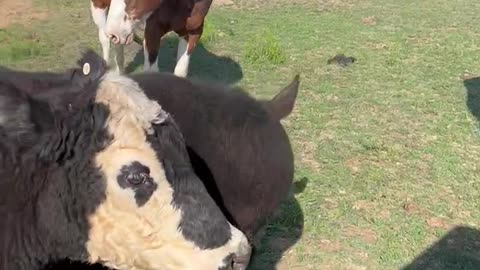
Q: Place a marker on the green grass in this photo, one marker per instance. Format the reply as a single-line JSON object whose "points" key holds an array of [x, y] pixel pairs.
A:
{"points": [[264, 48], [17, 45], [388, 148]]}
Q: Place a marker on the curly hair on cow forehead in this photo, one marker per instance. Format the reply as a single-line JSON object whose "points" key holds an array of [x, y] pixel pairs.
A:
{"points": [[122, 94]]}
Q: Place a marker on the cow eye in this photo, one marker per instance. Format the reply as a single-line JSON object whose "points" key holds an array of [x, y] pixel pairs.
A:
{"points": [[136, 179]]}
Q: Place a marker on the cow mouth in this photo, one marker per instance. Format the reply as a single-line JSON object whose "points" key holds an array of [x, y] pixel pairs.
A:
{"points": [[241, 262], [129, 39], [239, 266]]}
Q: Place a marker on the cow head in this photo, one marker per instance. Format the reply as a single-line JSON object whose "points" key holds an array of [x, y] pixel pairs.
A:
{"points": [[118, 187], [126, 15]]}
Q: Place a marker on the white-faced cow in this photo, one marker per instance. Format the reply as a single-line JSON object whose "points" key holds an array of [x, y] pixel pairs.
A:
{"points": [[117, 19], [100, 174], [237, 144]]}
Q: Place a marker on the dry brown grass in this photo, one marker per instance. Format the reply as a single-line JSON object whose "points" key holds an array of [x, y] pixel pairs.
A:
{"points": [[18, 11]]}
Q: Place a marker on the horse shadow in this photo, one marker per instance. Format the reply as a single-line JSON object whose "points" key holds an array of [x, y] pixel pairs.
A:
{"points": [[204, 65], [472, 85], [459, 249], [282, 231]]}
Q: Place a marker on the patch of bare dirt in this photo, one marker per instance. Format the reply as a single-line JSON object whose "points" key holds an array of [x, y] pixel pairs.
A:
{"points": [[436, 222], [223, 3], [363, 205], [367, 235], [329, 246], [18, 11], [384, 214], [356, 267], [371, 20], [354, 165], [307, 155], [467, 76], [410, 207], [330, 203], [371, 209]]}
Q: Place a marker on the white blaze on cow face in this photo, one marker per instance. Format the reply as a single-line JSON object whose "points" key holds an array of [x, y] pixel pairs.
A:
{"points": [[137, 227], [120, 25]]}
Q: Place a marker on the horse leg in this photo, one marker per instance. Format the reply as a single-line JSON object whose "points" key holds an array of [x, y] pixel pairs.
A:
{"points": [[119, 58], [99, 16], [186, 44], [151, 45]]}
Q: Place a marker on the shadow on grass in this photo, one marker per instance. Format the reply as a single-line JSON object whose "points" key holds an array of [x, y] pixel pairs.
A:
{"points": [[203, 64], [473, 96], [459, 250], [282, 232]]}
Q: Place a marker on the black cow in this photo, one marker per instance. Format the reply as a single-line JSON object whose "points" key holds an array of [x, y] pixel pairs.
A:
{"points": [[236, 143], [98, 172]]}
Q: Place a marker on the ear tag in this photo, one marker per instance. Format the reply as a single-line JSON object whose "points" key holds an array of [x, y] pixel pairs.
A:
{"points": [[86, 68]]}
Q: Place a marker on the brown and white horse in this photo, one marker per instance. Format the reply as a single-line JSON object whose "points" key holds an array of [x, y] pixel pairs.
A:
{"points": [[117, 19]]}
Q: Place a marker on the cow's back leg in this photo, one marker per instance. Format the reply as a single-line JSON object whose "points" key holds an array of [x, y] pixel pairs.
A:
{"points": [[186, 44], [99, 15]]}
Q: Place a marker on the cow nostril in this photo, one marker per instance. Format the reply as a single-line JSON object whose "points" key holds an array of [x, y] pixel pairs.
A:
{"points": [[114, 38], [229, 263], [129, 39], [241, 262]]}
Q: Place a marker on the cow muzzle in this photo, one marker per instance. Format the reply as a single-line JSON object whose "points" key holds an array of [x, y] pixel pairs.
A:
{"points": [[119, 40], [240, 262], [241, 259]]}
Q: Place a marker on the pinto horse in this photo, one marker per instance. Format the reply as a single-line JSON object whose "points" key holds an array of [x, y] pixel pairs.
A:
{"points": [[117, 19]]}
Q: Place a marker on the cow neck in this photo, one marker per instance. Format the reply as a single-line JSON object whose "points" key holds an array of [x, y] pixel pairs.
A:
{"points": [[22, 244]]}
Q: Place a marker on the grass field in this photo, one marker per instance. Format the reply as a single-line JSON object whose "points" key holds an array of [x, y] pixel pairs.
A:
{"points": [[387, 149]]}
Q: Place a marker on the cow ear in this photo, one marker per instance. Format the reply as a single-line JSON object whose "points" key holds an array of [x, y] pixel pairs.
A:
{"points": [[91, 67], [22, 118], [282, 104], [81, 89]]}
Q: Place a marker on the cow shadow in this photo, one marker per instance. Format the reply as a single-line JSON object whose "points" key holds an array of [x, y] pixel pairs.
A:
{"points": [[459, 249], [203, 64], [283, 231], [472, 85]]}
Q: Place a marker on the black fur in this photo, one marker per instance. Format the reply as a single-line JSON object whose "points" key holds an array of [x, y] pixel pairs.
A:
{"points": [[237, 144], [202, 221], [36, 83], [141, 174], [49, 184], [49, 190]]}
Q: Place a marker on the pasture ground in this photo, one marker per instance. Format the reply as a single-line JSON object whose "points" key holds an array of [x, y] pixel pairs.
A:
{"points": [[387, 149]]}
